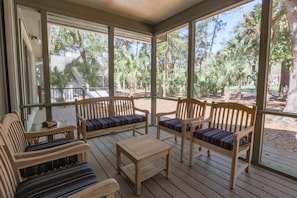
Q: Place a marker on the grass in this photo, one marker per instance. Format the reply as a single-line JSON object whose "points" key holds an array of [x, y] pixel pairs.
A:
{"points": [[273, 90]]}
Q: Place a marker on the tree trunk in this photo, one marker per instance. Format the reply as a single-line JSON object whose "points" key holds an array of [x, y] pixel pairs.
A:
{"points": [[165, 79], [291, 15], [284, 81], [239, 89]]}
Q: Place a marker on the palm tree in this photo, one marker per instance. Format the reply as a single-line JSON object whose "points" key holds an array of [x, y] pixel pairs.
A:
{"points": [[59, 81]]}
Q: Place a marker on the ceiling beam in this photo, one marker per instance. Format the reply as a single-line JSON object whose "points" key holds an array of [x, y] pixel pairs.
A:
{"points": [[89, 14], [203, 9]]}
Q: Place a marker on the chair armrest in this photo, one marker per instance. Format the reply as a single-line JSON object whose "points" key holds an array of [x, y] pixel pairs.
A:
{"points": [[142, 110], [239, 134], [80, 149], [101, 189], [79, 117], [36, 134], [191, 120], [199, 122], [48, 150], [165, 113]]}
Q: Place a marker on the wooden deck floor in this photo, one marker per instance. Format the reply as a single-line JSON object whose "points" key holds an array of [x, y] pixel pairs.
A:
{"points": [[209, 177]]}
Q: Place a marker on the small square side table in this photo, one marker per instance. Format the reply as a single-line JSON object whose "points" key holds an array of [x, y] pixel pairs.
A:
{"points": [[143, 152]]}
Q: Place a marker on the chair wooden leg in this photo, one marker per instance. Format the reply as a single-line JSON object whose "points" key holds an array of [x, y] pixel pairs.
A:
{"points": [[158, 132], [233, 171], [134, 131], [191, 153], [248, 159], [175, 138], [182, 148]]}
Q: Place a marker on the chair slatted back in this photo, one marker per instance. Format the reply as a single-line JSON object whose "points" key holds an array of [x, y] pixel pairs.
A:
{"points": [[8, 179], [231, 117], [93, 108], [105, 107], [190, 108], [123, 106], [13, 129]]}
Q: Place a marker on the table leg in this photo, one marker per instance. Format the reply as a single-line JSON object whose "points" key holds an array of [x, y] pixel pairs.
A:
{"points": [[168, 164], [137, 177], [118, 159]]}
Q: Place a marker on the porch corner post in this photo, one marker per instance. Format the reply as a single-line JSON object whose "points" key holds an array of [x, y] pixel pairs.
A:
{"points": [[191, 60], [262, 78], [153, 80], [46, 66], [111, 61]]}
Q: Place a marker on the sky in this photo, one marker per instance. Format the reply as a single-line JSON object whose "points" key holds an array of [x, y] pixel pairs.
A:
{"points": [[233, 18]]}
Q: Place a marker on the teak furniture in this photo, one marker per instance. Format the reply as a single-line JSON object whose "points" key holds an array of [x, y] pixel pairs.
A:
{"points": [[104, 115], [29, 144], [75, 181], [142, 151], [187, 110], [230, 131]]}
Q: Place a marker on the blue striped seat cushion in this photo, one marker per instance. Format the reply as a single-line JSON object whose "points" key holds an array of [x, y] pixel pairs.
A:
{"points": [[218, 137], [175, 124], [58, 183], [45, 167], [103, 123]]}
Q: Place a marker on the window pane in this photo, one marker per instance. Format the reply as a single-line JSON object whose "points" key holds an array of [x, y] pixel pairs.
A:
{"points": [[226, 55], [281, 80], [78, 63], [164, 105], [279, 150], [172, 64], [132, 66]]}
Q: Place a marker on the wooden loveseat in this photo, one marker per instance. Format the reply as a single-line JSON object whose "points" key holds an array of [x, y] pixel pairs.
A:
{"points": [[104, 115]]}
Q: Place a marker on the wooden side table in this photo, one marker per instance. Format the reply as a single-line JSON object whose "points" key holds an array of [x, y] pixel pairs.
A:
{"points": [[143, 151]]}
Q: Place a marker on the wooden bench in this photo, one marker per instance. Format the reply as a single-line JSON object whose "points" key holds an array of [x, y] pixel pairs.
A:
{"points": [[74, 181], [104, 115], [187, 110], [229, 131]]}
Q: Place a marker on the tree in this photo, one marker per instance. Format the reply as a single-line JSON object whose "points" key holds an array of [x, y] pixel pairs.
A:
{"points": [[132, 63], [207, 64], [172, 59], [291, 15], [59, 80], [90, 46]]}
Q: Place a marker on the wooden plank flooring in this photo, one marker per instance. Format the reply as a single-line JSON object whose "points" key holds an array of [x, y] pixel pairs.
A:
{"points": [[209, 176]]}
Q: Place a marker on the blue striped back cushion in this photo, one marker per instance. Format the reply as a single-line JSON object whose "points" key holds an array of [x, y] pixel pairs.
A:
{"points": [[58, 183], [103, 123], [45, 167], [218, 137]]}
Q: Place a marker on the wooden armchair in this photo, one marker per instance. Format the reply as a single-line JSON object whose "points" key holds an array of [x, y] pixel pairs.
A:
{"points": [[187, 110], [31, 144], [230, 131], [75, 181]]}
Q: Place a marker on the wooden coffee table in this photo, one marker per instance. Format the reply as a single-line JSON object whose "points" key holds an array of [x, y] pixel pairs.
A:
{"points": [[143, 152]]}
